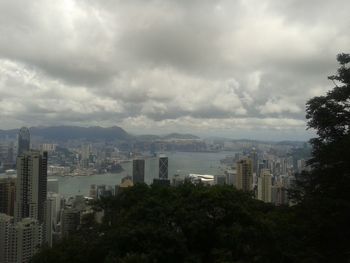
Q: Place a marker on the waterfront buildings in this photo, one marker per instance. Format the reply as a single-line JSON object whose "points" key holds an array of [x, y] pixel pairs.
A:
{"points": [[163, 167], [138, 171], [206, 179], [244, 175], [264, 186]]}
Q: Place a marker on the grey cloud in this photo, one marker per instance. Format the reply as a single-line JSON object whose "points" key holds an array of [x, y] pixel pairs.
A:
{"points": [[235, 65]]}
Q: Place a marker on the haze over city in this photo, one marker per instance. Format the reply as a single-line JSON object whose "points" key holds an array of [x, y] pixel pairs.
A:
{"points": [[240, 69], [174, 131]]}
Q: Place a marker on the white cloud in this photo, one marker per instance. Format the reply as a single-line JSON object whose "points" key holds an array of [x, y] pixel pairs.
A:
{"points": [[279, 106], [181, 64]]}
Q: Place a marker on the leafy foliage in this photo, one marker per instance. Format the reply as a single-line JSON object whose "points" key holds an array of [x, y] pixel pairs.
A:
{"points": [[324, 202], [178, 224]]}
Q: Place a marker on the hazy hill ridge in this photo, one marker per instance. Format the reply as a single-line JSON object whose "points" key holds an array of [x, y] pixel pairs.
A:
{"points": [[64, 133]]}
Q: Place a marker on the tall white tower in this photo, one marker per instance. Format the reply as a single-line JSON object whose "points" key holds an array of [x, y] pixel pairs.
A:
{"points": [[264, 186], [31, 186]]}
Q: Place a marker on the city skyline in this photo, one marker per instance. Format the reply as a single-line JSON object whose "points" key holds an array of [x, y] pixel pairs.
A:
{"points": [[212, 68]]}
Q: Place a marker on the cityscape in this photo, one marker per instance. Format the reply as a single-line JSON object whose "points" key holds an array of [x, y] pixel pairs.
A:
{"points": [[200, 131], [35, 213]]}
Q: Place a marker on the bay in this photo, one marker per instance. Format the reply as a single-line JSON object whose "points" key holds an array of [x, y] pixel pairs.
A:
{"points": [[182, 163]]}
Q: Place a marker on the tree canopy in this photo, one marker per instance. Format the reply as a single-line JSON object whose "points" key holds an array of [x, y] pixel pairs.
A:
{"points": [[187, 223], [323, 194]]}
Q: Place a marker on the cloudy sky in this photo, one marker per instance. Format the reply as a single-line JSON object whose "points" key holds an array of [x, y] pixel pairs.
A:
{"points": [[241, 69]]}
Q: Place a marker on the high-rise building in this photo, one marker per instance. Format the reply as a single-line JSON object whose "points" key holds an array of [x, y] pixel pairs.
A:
{"points": [[254, 157], [25, 238], [264, 186], [5, 228], [244, 176], [6, 155], [7, 195], [53, 208], [31, 185], [48, 147], [23, 140], [163, 167], [19, 241], [125, 183], [25, 233], [138, 171], [220, 179], [104, 191], [85, 155], [279, 195], [231, 176], [70, 220]]}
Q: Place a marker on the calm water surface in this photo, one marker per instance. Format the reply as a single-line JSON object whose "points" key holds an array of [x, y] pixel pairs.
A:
{"points": [[181, 163]]}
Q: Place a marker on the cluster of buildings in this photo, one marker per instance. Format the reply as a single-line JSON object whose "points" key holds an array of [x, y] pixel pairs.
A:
{"points": [[32, 213], [138, 176], [267, 176]]}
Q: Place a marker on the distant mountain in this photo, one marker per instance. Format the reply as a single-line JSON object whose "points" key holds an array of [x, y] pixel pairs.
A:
{"points": [[64, 133], [180, 136], [285, 142], [171, 136], [148, 137], [8, 133]]}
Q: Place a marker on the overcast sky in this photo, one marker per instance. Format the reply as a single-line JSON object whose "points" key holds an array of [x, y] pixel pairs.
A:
{"points": [[241, 69]]}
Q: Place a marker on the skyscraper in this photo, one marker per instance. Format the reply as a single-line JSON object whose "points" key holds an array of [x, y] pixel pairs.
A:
{"points": [[25, 238], [70, 220], [264, 186], [19, 241], [5, 228], [31, 185], [254, 157], [23, 140], [163, 167], [244, 176], [138, 171], [7, 195]]}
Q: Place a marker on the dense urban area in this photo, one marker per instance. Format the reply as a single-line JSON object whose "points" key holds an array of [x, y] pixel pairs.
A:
{"points": [[34, 213]]}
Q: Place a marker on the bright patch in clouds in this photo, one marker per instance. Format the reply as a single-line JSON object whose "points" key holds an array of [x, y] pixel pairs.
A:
{"points": [[232, 68]]}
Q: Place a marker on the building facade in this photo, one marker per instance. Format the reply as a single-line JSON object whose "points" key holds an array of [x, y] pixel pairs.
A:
{"points": [[264, 186], [138, 171], [7, 195], [31, 186], [163, 167], [244, 175], [23, 140]]}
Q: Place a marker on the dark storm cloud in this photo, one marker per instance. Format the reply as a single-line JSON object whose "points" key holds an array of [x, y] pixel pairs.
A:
{"points": [[199, 66]]}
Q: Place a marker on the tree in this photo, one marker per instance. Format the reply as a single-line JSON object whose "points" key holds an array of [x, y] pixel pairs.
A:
{"points": [[188, 223], [323, 193]]}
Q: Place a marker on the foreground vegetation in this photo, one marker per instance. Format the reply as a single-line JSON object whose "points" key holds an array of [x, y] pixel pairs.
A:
{"points": [[181, 224], [220, 224]]}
